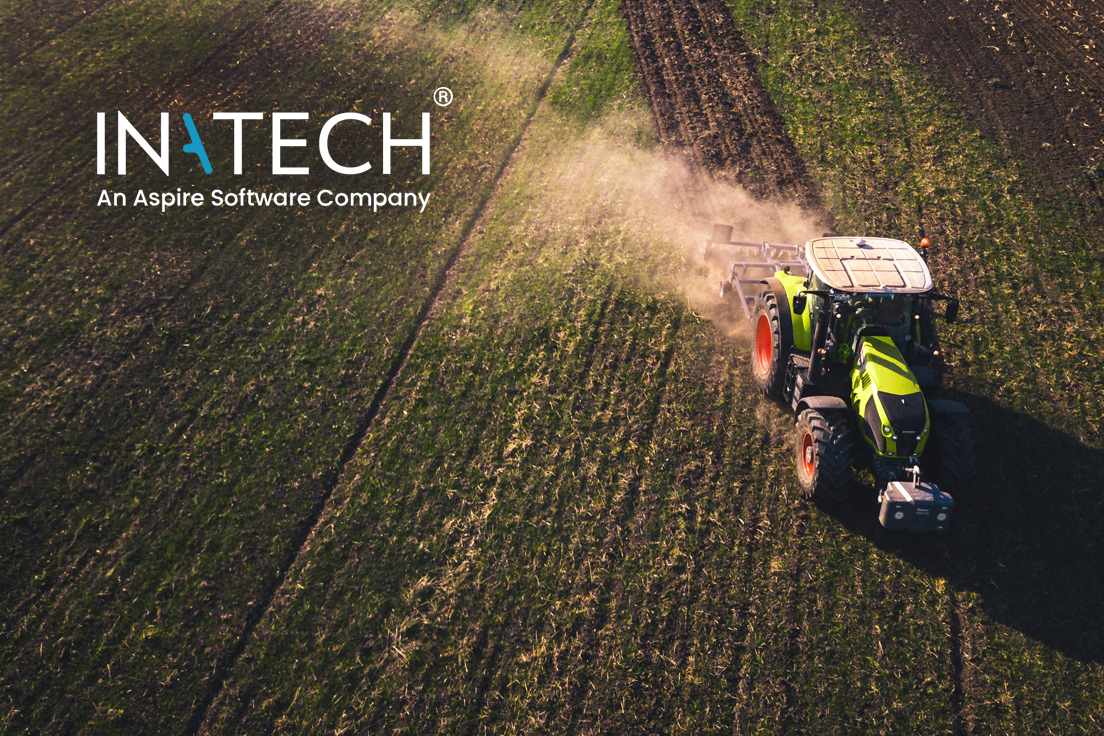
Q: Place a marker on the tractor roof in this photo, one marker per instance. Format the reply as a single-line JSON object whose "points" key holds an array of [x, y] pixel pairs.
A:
{"points": [[868, 265]]}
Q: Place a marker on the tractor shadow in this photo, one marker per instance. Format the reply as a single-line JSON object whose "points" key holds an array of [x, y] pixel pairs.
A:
{"points": [[1027, 538]]}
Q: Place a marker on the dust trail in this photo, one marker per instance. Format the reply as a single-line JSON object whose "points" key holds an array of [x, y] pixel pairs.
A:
{"points": [[661, 209]]}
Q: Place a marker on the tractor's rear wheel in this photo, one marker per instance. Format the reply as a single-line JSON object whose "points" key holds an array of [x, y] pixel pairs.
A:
{"points": [[949, 459], [824, 456], [768, 354]]}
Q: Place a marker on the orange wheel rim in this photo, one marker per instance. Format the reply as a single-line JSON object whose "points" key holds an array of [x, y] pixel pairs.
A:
{"points": [[763, 346], [807, 453]]}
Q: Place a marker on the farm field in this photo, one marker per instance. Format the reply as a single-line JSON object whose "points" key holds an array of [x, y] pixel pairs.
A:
{"points": [[499, 466]]}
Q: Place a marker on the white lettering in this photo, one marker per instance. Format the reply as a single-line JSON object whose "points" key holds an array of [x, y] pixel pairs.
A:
{"points": [[101, 143], [279, 143], [238, 117], [324, 143], [389, 143], [125, 129]]}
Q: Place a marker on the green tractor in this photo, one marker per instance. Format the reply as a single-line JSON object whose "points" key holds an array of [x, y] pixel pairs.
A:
{"points": [[843, 335]]}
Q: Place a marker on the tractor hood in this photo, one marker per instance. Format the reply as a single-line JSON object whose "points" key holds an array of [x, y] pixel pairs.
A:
{"points": [[889, 400]]}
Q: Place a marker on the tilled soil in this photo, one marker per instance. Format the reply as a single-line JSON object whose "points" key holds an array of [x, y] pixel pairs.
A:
{"points": [[1028, 70], [704, 91]]}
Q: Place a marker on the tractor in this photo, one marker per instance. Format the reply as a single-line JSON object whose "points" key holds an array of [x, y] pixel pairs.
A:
{"points": [[843, 335]]}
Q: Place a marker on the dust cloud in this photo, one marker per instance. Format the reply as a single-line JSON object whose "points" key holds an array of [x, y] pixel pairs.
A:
{"points": [[650, 211]]}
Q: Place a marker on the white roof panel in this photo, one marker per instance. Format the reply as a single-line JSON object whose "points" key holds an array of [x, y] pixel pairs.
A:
{"points": [[868, 265]]}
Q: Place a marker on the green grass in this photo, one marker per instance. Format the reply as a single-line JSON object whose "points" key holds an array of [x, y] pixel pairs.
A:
{"points": [[571, 513], [572, 516], [178, 388], [892, 154]]}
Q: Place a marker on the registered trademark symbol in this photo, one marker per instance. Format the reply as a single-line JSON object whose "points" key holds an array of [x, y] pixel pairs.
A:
{"points": [[442, 96]]}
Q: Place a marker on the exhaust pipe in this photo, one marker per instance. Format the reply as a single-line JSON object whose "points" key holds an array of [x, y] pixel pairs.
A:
{"points": [[820, 334]]}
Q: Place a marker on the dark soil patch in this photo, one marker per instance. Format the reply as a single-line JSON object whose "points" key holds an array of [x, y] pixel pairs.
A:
{"points": [[704, 91], [1028, 71]]}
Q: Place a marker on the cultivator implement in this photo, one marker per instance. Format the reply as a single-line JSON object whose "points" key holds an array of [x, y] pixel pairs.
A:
{"points": [[749, 263]]}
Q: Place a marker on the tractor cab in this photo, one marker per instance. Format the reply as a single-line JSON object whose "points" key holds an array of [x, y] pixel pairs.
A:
{"points": [[878, 287], [859, 288], [869, 266]]}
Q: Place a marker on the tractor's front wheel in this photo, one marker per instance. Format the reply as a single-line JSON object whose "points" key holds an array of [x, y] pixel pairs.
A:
{"points": [[768, 354], [824, 456], [949, 459]]}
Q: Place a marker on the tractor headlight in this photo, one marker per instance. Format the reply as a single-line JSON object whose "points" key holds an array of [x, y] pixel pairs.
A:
{"points": [[887, 430]]}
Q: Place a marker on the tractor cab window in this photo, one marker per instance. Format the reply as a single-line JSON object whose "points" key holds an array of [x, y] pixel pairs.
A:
{"points": [[890, 312]]}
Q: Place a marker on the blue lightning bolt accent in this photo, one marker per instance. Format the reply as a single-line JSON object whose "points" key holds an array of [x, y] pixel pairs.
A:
{"points": [[196, 146]]}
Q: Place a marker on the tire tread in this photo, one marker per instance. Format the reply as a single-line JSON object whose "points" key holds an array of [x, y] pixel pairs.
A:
{"points": [[832, 474], [770, 385]]}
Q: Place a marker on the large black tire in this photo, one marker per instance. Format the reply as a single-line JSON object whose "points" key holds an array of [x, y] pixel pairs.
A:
{"points": [[768, 355], [824, 456], [949, 459]]}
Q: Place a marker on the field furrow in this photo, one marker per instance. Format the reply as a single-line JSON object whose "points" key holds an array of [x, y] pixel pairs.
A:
{"points": [[698, 72], [499, 466]]}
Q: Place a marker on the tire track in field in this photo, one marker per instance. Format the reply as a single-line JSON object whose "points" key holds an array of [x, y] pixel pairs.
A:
{"points": [[955, 625], [224, 669]]}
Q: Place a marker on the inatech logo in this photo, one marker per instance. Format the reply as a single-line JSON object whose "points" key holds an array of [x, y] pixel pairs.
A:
{"points": [[279, 142], [281, 139]]}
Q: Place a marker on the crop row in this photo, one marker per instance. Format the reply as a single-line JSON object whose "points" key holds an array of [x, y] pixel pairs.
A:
{"points": [[179, 388]]}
